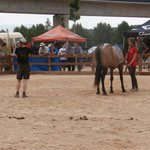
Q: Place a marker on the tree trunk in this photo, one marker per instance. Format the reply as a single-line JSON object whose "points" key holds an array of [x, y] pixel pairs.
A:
{"points": [[74, 27]]}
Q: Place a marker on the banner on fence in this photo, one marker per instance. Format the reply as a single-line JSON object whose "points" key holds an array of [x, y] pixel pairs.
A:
{"points": [[36, 67]]}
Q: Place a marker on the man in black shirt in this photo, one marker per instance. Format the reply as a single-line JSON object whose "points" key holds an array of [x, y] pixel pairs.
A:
{"points": [[23, 71]]}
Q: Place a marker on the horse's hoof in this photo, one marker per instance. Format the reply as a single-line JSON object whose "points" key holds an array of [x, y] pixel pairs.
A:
{"points": [[97, 92], [124, 91], [105, 93], [112, 92]]}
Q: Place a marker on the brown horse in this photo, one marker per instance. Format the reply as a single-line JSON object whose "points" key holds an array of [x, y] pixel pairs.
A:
{"points": [[108, 56]]}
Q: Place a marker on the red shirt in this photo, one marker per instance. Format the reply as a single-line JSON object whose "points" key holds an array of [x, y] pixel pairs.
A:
{"points": [[28, 45], [131, 52]]}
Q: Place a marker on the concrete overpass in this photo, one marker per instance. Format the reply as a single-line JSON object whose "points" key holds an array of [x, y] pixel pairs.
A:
{"points": [[87, 7]]}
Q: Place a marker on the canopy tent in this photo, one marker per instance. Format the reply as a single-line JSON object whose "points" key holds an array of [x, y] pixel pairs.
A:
{"points": [[59, 34], [141, 30]]}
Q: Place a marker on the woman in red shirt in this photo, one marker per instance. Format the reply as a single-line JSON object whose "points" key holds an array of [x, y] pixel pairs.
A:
{"points": [[132, 62]]}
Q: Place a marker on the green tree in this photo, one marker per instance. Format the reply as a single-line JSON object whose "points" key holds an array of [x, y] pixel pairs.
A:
{"points": [[40, 28], [33, 31], [48, 24], [84, 33], [74, 15], [119, 33], [23, 30], [102, 34], [2, 31]]}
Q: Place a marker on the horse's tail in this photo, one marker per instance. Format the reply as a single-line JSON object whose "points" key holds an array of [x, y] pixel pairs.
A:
{"points": [[97, 59]]}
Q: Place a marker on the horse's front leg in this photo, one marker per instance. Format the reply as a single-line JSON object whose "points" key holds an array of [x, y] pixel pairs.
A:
{"points": [[98, 90], [111, 80], [121, 78], [103, 78]]}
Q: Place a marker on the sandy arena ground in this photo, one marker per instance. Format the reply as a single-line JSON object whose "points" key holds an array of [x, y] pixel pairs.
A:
{"points": [[64, 113]]}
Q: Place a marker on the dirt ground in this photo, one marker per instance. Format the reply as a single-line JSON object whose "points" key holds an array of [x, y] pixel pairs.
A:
{"points": [[64, 113]]}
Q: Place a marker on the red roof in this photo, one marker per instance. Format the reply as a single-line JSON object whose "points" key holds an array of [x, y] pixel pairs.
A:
{"points": [[59, 34]]}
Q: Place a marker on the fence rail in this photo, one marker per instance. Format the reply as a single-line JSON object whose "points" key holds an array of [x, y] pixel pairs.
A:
{"points": [[8, 61]]}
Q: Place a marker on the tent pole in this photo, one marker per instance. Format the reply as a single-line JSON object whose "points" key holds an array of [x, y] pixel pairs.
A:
{"points": [[67, 43], [85, 44], [8, 44], [123, 42]]}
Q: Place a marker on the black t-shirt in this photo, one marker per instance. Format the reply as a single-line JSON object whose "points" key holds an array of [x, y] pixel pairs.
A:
{"points": [[23, 54]]}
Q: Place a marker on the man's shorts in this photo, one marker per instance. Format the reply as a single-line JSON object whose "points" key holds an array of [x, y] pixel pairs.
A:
{"points": [[23, 71]]}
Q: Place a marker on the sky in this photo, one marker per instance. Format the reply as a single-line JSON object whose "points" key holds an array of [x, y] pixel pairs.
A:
{"points": [[9, 20]]}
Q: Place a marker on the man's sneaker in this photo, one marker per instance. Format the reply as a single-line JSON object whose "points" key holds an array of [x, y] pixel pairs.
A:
{"points": [[24, 96], [17, 95]]}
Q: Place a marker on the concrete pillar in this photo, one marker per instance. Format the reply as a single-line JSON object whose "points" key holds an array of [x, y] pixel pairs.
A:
{"points": [[61, 20]]}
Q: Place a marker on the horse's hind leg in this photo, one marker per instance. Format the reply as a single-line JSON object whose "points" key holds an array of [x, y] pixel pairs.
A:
{"points": [[111, 80], [98, 82], [97, 78], [121, 78], [103, 78]]}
